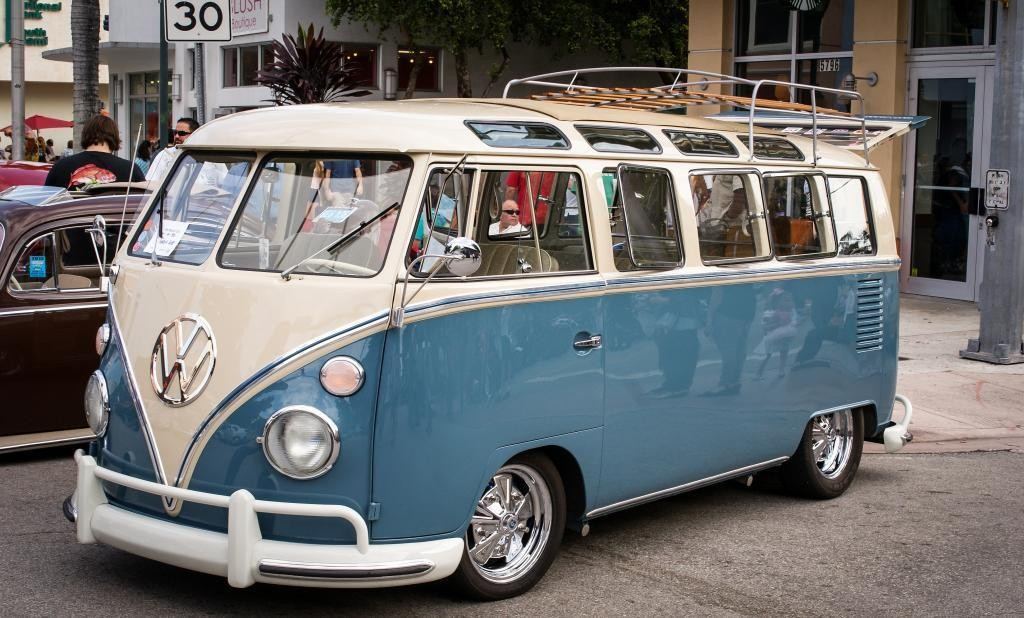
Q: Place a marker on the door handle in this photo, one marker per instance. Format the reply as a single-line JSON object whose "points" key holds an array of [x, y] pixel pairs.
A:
{"points": [[588, 343]]}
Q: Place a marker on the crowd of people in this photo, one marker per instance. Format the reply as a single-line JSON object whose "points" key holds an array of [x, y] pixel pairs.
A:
{"points": [[97, 163]]}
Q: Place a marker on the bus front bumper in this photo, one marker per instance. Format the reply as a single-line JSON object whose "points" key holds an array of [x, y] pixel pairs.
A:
{"points": [[242, 555]]}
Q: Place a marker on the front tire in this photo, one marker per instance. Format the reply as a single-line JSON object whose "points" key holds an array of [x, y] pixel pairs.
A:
{"points": [[515, 530], [829, 454]]}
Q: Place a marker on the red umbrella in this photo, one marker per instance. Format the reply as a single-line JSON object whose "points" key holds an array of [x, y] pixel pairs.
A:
{"points": [[38, 122]]}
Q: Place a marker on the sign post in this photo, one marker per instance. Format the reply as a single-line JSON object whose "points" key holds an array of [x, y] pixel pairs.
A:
{"points": [[195, 21], [1001, 298]]}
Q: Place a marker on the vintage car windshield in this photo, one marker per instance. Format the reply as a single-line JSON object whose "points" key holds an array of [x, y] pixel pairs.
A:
{"points": [[194, 204], [35, 195], [300, 206]]}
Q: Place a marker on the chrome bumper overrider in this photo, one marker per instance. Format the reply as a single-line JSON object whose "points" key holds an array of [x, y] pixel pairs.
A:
{"points": [[242, 555], [898, 435]]}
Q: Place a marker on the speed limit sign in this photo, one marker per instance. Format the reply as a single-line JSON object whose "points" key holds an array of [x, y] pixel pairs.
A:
{"points": [[197, 20]]}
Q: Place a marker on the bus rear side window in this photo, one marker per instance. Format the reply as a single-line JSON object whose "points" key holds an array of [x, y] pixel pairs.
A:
{"points": [[852, 213], [729, 223], [799, 219]]}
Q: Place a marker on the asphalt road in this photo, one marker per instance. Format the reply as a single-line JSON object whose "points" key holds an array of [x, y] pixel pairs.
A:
{"points": [[934, 535]]}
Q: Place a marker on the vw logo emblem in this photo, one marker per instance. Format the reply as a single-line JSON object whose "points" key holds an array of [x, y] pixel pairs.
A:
{"points": [[183, 359]]}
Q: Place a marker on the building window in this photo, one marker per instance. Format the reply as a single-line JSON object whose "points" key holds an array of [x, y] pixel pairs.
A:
{"points": [[143, 103], [241, 64], [429, 77], [954, 23], [362, 60], [813, 47]]}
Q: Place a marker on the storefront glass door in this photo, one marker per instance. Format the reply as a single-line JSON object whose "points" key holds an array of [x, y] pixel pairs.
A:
{"points": [[945, 169]]}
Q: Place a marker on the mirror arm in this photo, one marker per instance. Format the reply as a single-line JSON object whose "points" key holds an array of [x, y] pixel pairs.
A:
{"points": [[398, 314]]}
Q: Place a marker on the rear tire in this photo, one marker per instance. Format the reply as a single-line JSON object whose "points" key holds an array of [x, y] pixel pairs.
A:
{"points": [[515, 530], [829, 454]]}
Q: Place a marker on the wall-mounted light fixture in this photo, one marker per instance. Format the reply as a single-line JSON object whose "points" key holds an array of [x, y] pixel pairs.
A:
{"points": [[390, 84], [176, 86], [850, 80], [118, 94]]}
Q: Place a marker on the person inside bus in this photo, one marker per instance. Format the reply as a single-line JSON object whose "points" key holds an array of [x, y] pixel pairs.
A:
{"points": [[508, 221], [531, 189]]}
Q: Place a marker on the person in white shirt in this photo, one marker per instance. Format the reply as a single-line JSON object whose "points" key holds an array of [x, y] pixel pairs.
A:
{"points": [[508, 220], [165, 158]]}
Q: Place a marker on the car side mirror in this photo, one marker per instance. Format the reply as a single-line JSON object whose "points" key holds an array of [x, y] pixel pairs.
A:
{"points": [[462, 256], [98, 236]]}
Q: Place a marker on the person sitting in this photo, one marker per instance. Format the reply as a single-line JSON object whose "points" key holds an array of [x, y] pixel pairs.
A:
{"points": [[96, 164], [508, 221], [143, 156]]}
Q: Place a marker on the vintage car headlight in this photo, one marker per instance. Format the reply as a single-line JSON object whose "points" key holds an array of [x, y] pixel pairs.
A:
{"points": [[97, 403], [342, 376], [102, 338], [300, 442]]}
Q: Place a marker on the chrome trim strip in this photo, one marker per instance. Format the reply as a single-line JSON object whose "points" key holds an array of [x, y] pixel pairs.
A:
{"points": [[51, 309], [234, 395], [789, 268], [504, 295], [711, 480], [309, 570], [133, 389], [89, 436]]}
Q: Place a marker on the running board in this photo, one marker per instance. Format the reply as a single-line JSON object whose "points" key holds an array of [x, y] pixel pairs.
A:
{"points": [[671, 491]]}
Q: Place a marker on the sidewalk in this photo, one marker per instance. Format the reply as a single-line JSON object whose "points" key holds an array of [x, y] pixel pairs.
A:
{"points": [[959, 405]]}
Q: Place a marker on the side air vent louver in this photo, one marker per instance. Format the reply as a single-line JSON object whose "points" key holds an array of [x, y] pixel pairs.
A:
{"points": [[870, 316]]}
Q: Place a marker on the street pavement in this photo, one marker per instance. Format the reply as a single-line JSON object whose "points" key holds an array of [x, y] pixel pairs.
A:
{"points": [[959, 405], [924, 535]]}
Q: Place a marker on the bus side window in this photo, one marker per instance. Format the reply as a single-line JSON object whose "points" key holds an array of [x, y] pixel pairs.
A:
{"points": [[439, 209], [729, 218], [799, 215], [851, 212], [642, 215]]}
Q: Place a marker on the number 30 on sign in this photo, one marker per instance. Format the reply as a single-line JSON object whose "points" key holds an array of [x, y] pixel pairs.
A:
{"points": [[197, 20]]}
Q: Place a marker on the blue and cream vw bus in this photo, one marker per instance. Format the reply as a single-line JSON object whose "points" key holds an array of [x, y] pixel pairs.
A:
{"points": [[377, 344]]}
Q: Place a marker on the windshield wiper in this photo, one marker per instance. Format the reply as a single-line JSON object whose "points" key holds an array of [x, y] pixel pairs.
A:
{"points": [[287, 273]]}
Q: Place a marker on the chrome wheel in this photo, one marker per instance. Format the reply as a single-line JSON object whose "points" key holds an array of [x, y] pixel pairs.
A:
{"points": [[832, 442], [511, 524]]}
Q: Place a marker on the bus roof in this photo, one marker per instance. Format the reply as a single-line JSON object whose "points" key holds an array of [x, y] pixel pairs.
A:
{"points": [[437, 125]]}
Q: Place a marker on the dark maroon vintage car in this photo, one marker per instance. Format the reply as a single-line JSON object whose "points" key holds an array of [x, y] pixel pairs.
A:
{"points": [[51, 306], [14, 173]]}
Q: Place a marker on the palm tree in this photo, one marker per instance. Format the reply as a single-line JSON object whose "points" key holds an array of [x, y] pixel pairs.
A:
{"points": [[308, 69], [85, 41]]}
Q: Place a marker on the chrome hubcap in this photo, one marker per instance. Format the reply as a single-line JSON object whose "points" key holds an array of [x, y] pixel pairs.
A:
{"points": [[832, 442], [511, 524]]}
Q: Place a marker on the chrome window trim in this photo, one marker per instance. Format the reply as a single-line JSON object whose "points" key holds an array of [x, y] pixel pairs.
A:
{"points": [[828, 200], [664, 493], [568, 143], [760, 188], [51, 309], [735, 151], [634, 128], [771, 138], [619, 169], [3, 235]]}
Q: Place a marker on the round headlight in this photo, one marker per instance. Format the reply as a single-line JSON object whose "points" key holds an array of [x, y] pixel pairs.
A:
{"points": [[300, 442], [97, 403], [102, 338], [342, 376]]}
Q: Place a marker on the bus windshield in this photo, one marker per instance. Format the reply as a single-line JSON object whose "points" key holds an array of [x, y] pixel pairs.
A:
{"points": [[187, 217], [300, 206]]}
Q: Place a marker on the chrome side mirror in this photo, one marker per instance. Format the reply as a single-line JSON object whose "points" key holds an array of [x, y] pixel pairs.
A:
{"points": [[462, 256]]}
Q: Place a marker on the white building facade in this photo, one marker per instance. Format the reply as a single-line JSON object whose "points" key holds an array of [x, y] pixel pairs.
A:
{"points": [[132, 57]]}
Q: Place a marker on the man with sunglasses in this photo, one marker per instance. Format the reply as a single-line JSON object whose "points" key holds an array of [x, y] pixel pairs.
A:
{"points": [[508, 220], [162, 161]]}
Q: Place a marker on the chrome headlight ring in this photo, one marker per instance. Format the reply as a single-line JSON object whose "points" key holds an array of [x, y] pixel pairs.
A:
{"points": [[97, 403], [301, 442]]}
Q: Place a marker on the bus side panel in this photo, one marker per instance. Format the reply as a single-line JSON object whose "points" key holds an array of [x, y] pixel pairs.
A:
{"points": [[706, 380], [456, 388]]}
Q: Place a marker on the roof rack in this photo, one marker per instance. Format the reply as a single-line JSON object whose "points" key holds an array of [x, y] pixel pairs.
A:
{"points": [[683, 93]]}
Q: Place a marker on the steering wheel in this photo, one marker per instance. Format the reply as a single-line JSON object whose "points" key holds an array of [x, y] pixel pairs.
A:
{"points": [[321, 265]]}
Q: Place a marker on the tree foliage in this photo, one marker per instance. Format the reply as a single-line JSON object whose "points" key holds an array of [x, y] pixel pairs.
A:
{"points": [[308, 68], [649, 32]]}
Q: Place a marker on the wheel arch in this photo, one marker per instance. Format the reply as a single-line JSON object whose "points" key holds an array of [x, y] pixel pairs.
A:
{"points": [[572, 480]]}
